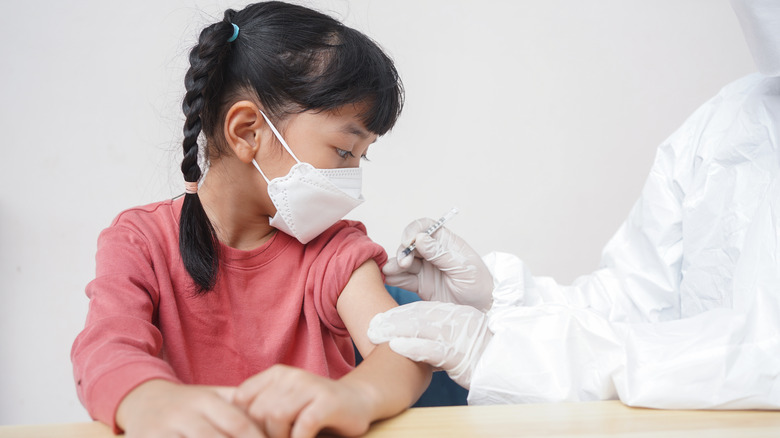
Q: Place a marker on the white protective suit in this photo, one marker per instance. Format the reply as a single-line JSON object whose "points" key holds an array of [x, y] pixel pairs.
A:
{"points": [[685, 312]]}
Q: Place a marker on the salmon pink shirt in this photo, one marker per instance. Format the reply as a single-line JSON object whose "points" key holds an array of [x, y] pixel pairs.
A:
{"points": [[272, 305]]}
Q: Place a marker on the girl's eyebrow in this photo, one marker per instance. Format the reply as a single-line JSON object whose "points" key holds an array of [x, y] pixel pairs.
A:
{"points": [[353, 128]]}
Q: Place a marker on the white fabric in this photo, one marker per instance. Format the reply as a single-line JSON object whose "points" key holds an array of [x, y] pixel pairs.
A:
{"points": [[308, 201], [685, 310], [760, 21]]}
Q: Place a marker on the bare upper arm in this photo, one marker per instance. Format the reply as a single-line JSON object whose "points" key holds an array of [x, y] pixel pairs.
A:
{"points": [[363, 297]]}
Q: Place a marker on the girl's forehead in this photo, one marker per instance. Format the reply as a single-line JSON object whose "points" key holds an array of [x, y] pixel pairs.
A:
{"points": [[347, 119], [341, 123]]}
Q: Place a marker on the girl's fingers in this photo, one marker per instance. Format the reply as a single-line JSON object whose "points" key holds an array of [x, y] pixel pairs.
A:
{"points": [[200, 427], [246, 393], [232, 421], [278, 409], [288, 402], [310, 421], [226, 393], [328, 413], [278, 425], [274, 398]]}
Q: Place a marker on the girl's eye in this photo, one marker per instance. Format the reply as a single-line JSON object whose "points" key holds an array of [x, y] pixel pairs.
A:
{"points": [[345, 154]]}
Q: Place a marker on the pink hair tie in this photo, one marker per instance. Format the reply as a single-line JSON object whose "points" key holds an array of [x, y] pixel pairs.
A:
{"points": [[190, 188]]}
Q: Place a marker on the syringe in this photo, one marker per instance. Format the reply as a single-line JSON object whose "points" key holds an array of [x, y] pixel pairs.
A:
{"points": [[432, 229]]}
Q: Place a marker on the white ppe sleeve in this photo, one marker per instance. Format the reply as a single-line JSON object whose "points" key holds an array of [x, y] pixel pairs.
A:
{"points": [[720, 359], [685, 311]]}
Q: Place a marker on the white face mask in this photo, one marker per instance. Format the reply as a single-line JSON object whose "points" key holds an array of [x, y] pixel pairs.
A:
{"points": [[308, 201]]}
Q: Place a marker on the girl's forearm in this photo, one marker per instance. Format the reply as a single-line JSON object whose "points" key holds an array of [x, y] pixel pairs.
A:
{"points": [[391, 382]]}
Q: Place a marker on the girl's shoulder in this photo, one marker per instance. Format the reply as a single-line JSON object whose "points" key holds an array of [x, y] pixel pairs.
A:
{"points": [[161, 211], [340, 231], [155, 221], [347, 238], [146, 233]]}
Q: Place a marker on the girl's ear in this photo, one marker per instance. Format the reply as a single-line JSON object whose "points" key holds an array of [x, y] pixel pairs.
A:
{"points": [[243, 124]]}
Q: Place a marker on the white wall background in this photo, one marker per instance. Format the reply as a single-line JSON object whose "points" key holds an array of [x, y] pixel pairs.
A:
{"points": [[537, 118]]}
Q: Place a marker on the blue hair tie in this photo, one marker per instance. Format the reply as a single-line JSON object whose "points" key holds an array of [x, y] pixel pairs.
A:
{"points": [[235, 33]]}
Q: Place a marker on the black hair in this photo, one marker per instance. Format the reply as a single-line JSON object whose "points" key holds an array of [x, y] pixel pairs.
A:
{"points": [[290, 58]]}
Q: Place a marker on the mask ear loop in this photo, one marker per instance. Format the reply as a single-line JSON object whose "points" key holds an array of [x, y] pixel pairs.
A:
{"points": [[281, 140], [279, 137], [257, 166]]}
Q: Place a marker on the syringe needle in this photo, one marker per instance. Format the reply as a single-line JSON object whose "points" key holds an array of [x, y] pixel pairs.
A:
{"points": [[432, 229]]}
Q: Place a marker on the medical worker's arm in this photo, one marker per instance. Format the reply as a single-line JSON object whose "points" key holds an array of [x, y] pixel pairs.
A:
{"points": [[720, 359], [637, 282], [287, 401], [618, 330], [724, 358], [443, 267], [554, 342]]}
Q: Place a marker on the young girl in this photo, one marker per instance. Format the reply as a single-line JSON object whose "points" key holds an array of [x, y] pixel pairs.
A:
{"points": [[228, 311]]}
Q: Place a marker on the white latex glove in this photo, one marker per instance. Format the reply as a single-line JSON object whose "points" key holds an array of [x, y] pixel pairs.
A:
{"points": [[445, 335], [443, 267]]}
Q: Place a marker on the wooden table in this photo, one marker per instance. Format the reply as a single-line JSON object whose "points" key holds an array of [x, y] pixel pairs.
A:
{"points": [[592, 419]]}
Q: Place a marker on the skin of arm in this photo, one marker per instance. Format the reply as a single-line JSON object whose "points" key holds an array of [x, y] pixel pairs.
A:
{"points": [[393, 381]]}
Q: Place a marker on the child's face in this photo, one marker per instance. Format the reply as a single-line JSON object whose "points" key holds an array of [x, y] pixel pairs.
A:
{"points": [[326, 140]]}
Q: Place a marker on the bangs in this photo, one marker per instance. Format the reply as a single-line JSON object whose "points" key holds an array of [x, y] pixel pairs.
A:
{"points": [[306, 61], [349, 68]]}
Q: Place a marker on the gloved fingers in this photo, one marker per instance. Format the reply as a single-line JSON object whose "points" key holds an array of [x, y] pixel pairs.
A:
{"points": [[447, 268], [399, 276], [396, 265], [404, 261], [414, 228], [408, 320], [421, 319], [420, 350], [468, 280], [404, 281], [408, 237], [435, 354], [461, 375], [429, 283], [401, 321], [472, 347], [445, 335], [445, 249]]}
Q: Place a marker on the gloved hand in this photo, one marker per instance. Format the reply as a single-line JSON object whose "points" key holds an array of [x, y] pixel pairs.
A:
{"points": [[445, 335], [449, 269]]}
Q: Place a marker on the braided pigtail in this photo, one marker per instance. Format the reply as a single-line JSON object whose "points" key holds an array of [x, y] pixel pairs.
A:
{"points": [[198, 243]]}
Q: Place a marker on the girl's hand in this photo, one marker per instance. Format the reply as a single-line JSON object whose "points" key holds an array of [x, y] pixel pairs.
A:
{"points": [[290, 402], [159, 408]]}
